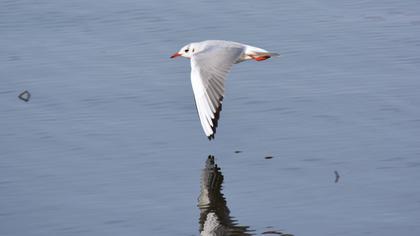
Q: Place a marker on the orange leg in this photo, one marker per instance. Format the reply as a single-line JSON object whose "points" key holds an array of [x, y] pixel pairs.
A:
{"points": [[260, 58]]}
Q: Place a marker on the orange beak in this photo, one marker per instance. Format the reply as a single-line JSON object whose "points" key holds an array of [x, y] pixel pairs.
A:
{"points": [[176, 55]]}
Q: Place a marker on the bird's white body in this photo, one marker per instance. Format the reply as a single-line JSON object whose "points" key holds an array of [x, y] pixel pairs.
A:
{"points": [[211, 60], [197, 47]]}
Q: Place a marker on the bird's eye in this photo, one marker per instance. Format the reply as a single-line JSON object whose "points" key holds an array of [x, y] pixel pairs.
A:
{"points": [[186, 50]]}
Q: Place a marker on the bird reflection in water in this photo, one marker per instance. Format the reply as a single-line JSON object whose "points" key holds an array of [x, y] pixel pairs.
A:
{"points": [[215, 219]]}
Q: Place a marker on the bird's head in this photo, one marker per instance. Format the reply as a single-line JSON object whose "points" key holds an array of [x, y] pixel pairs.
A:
{"points": [[186, 51]]}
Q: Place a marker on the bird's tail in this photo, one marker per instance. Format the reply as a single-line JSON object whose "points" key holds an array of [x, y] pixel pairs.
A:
{"points": [[271, 54]]}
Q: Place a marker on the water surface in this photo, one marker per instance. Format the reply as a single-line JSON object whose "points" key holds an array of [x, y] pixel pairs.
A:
{"points": [[110, 144]]}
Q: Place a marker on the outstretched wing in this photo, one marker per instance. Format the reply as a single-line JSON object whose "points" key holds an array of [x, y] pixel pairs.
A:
{"points": [[208, 72]]}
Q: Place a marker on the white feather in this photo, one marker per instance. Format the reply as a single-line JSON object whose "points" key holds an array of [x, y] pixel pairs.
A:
{"points": [[209, 68]]}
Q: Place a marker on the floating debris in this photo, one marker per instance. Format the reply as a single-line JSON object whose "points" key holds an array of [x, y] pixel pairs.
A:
{"points": [[268, 157], [25, 96], [272, 232], [276, 233], [337, 176], [238, 151]]}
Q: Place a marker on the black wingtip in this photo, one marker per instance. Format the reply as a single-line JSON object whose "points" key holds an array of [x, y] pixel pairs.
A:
{"points": [[215, 120]]}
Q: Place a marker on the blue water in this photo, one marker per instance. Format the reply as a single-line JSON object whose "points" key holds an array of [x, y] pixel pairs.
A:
{"points": [[110, 143]]}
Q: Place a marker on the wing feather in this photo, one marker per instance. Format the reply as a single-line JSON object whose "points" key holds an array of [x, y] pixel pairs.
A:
{"points": [[208, 72]]}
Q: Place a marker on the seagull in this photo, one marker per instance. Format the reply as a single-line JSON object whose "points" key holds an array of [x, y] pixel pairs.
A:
{"points": [[211, 60]]}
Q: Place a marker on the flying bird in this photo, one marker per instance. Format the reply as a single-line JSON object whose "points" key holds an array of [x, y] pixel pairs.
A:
{"points": [[211, 60]]}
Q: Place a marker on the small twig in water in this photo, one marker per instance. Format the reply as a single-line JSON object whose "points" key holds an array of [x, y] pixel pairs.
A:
{"points": [[337, 176]]}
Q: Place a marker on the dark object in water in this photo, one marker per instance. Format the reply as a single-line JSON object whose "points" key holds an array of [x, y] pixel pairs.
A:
{"points": [[238, 151], [25, 96], [276, 233], [268, 157], [337, 176]]}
